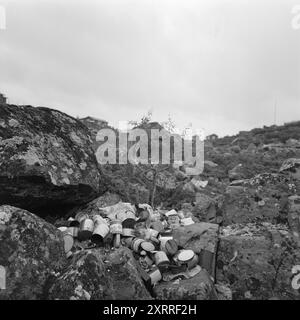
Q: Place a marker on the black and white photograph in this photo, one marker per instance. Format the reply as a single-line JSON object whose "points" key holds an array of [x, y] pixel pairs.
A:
{"points": [[149, 154]]}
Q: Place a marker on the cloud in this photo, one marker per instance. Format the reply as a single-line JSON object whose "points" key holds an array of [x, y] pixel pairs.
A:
{"points": [[222, 65]]}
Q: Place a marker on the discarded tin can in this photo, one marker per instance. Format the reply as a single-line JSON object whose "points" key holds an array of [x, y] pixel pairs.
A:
{"points": [[68, 241], [168, 232], [98, 219], [135, 245], [128, 227], [73, 231], [129, 223], [187, 257], [158, 226], [169, 246], [126, 232], [147, 246], [192, 264], [86, 229], [155, 275], [161, 259], [73, 222], [62, 229], [165, 236], [171, 213], [148, 261], [128, 242], [151, 234], [116, 229], [100, 232], [187, 221], [173, 221], [108, 239], [80, 218]]}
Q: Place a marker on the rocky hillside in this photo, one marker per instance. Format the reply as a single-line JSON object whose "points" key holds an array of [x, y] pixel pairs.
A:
{"points": [[73, 229]]}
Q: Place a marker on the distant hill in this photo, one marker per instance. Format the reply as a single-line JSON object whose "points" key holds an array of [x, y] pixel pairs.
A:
{"points": [[261, 136]]}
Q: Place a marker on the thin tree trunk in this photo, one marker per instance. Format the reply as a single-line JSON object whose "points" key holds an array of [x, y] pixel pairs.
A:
{"points": [[153, 188]]}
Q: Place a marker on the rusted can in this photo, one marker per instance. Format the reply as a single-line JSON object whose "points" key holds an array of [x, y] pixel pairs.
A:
{"points": [[161, 259], [168, 245], [86, 229], [100, 232], [155, 275]]}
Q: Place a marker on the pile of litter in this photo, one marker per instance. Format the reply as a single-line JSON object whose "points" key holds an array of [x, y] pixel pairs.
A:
{"points": [[148, 233]]}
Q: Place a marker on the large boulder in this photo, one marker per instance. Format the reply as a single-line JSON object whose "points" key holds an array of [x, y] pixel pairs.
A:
{"points": [[205, 207], [31, 252], [199, 287], [99, 275], [256, 261], [46, 159]]}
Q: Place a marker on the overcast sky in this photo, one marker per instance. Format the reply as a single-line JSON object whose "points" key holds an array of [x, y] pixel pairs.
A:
{"points": [[221, 65]]}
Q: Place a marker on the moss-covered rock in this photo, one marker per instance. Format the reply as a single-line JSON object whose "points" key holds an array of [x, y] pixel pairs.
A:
{"points": [[46, 159], [31, 253], [256, 261], [99, 275]]}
